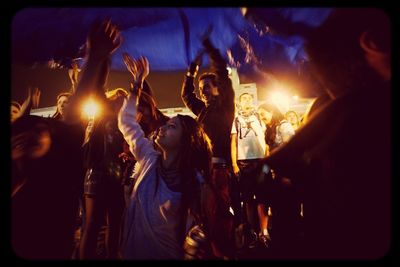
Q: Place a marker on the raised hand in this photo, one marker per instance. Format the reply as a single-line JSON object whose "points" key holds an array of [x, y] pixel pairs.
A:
{"points": [[143, 69], [35, 97], [198, 60], [130, 64], [206, 34], [196, 63], [73, 73], [103, 39], [139, 69]]}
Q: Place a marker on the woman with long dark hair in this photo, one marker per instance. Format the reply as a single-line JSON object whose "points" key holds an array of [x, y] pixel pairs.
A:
{"points": [[278, 129], [167, 180]]}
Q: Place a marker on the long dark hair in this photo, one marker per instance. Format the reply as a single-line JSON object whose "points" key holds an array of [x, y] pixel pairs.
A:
{"points": [[157, 117], [195, 157], [277, 117]]}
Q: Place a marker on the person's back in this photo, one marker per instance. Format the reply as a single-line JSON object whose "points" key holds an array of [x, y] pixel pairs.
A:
{"points": [[347, 192], [45, 205], [342, 164]]}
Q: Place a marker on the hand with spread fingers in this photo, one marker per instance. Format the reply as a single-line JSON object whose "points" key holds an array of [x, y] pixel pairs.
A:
{"points": [[143, 69], [103, 39], [130, 64], [139, 68]]}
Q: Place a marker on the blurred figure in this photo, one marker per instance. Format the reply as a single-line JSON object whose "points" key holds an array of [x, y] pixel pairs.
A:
{"points": [[31, 102], [73, 74], [279, 130], [283, 198], [347, 205], [103, 189], [62, 103], [45, 190], [14, 110], [316, 106], [293, 118]]}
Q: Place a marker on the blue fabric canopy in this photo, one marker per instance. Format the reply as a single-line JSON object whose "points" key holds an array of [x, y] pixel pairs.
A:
{"points": [[168, 37]]}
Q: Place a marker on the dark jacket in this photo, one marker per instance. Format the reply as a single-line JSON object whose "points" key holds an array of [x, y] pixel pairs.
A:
{"points": [[345, 175], [217, 118]]}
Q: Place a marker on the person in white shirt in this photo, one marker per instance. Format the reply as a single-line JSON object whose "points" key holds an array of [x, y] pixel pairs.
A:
{"points": [[248, 147]]}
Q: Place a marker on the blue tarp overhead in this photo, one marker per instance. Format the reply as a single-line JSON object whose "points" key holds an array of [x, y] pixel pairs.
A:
{"points": [[168, 37]]}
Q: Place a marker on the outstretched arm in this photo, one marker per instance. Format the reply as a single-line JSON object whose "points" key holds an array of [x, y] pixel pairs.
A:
{"points": [[187, 93], [219, 67], [141, 147], [102, 41], [73, 76], [32, 101]]}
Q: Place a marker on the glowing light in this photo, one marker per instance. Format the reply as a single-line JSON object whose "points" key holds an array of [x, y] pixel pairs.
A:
{"points": [[243, 10], [229, 70], [231, 211], [295, 97], [281, 100], [91, 109]]}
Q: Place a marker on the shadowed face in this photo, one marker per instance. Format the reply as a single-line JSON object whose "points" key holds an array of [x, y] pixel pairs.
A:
{"points": [[246, 101], [14, 113], [62, 103], [207, 89], [292, 118], [169, 136], [265, 115]]}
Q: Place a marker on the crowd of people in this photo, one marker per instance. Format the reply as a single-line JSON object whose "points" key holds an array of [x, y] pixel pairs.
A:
{"points": [[242, 182]]}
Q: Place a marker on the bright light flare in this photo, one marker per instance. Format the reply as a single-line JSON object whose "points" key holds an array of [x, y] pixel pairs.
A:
{"points": [[281, 100], [91, 109]]}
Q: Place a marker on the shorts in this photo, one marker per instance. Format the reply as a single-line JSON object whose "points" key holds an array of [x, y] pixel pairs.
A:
{"points": [[101, 184], [251, 180]]}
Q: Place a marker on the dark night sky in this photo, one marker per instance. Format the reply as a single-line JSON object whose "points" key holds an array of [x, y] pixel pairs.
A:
{"points": [[51, 82]]}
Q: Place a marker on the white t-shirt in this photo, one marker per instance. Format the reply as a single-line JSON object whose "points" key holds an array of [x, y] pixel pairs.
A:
{"points": [[284, 131], [250, 132]]}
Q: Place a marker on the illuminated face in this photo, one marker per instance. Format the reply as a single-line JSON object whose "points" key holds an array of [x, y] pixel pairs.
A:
{"points": [[292, 118], [14, 113], [265, 115], [169, 136], [207, 89], [246, 101], [62, 103]]}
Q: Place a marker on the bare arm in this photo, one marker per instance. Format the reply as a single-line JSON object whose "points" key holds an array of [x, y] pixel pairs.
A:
{"points": [[234, 154], [102, 41], [32, 101], [140, 147]]}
